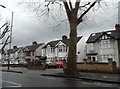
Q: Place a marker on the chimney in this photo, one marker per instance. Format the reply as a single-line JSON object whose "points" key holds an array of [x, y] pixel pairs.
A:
{"points": [[117, 27], [14, 47], [34, 43], [64, 37]]}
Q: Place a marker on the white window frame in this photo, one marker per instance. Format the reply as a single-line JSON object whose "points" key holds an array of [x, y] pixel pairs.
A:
{"points": [[105, 44], [104, 57]]}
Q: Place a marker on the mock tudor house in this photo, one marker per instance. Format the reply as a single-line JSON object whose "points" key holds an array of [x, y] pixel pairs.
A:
{"points": [[32, 52], [104, 45], [58, 49]]}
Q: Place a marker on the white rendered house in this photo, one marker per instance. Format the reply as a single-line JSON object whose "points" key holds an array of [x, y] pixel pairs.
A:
{"points": [[58, 49], [104, 45]]}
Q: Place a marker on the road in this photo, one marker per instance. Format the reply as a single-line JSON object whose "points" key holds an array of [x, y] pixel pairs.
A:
{"points": [[34, 79]]}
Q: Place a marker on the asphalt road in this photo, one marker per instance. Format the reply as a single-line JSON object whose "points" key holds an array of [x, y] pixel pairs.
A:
{"points": [[34, 79]]}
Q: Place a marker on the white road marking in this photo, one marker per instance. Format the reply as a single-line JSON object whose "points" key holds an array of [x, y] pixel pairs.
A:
{"points": [[16, 84]]}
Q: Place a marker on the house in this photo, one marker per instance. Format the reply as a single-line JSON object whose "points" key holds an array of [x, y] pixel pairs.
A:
{"points": [[15, 54], [2, 55], [34, 51], [58, 49], [104, 45]]}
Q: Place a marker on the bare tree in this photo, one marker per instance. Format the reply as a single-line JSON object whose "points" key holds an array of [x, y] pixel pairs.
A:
{"points": [[5, 30], [75, 13]]}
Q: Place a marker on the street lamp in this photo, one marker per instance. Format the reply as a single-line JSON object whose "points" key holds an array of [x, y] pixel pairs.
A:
{"points": [[10, 33]]}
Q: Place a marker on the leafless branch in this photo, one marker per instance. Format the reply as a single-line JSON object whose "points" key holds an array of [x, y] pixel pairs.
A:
{"points": [[70, 3], [80, 18], [3, 25], [77, 5], [67, 8], [6, 43], [6, 29], [85, 5], [61, 22]]}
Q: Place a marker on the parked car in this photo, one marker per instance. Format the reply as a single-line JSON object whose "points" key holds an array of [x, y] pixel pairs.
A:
{"points": [[59, 64], [50, 63], [21, 61]]}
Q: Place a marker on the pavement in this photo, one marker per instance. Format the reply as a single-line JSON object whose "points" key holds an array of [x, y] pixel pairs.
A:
{"points": [[100, 77]]}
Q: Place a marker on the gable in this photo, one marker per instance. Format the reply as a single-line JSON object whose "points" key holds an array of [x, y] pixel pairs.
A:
{"points": [[105, 37], [20, 50], [26, 49], [61, 43]]}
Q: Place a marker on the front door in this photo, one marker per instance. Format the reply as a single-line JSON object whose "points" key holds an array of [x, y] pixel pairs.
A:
{"points": [[93, 58]]}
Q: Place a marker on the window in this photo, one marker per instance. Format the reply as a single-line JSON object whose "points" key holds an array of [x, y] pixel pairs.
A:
{"points": [[104, 58], [105, 44], [52, 50], [48, 49], [60, 48], [64, 49], [61, 58], [91, 46], [44, 51]]}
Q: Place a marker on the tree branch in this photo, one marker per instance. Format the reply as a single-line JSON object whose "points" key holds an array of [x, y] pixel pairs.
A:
{"points": [[79, 20], [85, 4], [70, 4], [3, 25], [6, 43], [5, 31], [66, 8], [77, 3]]}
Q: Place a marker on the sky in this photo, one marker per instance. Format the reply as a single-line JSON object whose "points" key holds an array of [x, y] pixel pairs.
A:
{"points": [[27, 27]]}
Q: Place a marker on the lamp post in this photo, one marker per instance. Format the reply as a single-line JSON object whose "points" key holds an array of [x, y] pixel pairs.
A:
{"points": [[10, 34]]}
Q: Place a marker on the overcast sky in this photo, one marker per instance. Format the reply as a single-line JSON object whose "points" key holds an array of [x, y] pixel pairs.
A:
{"points": [[28, 28]]}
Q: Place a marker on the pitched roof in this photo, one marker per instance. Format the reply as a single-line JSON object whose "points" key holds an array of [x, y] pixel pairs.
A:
{"points": [[12, 50], [95, 36], [33, 47], [54, 43]]}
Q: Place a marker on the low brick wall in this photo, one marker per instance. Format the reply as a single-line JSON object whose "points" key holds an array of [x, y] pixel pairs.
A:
{"points": [[88, 66]]}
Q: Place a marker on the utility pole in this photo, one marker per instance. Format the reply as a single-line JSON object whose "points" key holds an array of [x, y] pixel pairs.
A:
{"points": [[10, 41]]}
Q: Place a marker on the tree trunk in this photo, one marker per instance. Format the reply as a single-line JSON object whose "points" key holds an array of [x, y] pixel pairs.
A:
{"points": [[118, 42], [71, 67]]}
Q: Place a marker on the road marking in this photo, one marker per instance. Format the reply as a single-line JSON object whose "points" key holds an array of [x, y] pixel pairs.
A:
{"points": [[16, 84]]}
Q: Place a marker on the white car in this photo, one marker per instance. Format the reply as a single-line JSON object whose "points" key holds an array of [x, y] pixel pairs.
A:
{"points": [[50, 63]]}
